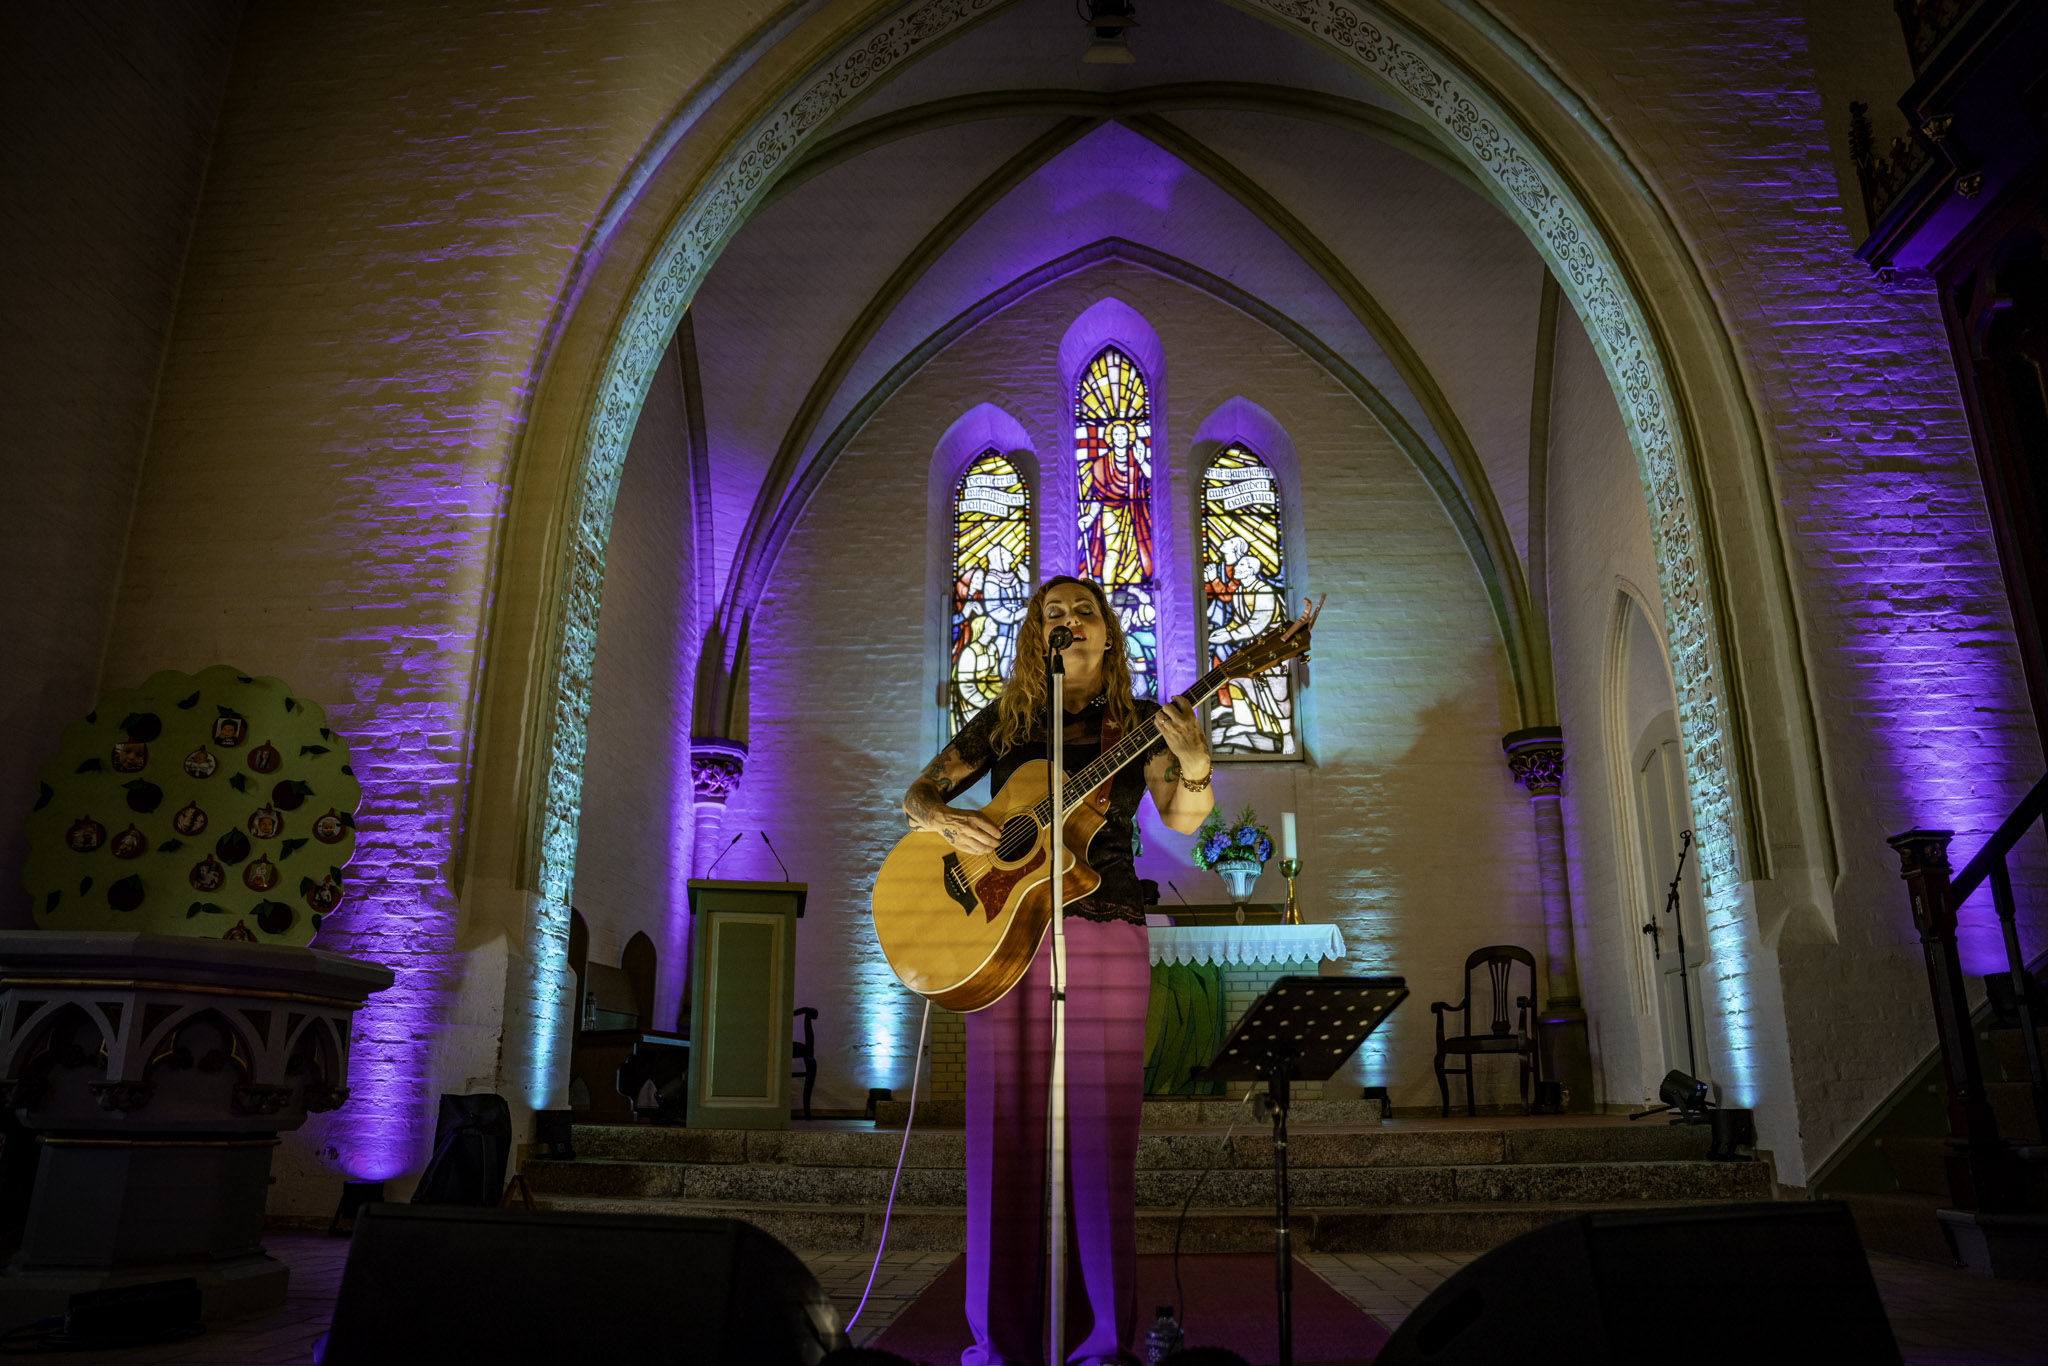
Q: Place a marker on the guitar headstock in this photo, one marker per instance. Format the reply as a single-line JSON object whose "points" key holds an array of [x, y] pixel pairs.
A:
{"points": [[1276, 645]]}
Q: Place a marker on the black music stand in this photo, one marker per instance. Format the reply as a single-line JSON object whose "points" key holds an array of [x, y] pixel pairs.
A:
{"points": [[1301, 1030]]}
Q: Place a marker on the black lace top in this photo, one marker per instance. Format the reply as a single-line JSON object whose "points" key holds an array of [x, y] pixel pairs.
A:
{"points": [[1112, 852]]}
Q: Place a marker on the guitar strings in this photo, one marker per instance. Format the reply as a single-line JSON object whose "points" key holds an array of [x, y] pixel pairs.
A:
{"points": [[975, 867]]}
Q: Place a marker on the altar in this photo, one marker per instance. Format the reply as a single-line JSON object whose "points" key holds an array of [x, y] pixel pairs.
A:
{"points": [[1204, 977]]}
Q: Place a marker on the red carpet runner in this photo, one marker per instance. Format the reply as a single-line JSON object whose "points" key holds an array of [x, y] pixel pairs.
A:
{"points": [[1234, 1307]]}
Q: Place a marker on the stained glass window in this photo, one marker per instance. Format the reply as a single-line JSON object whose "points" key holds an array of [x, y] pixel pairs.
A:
{"points": [[1244, 591], [991, 580], [1113, 459]]}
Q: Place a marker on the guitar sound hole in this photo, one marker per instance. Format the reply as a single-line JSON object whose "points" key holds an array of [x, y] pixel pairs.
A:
{"points": [[1020, 833]]}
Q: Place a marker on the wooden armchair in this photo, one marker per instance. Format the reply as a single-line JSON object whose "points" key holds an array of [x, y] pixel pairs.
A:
{"points": [[805, 1055], [1516, 1037]]}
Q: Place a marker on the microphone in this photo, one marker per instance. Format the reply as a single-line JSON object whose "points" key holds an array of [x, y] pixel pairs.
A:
{"points": [[1061, 638], [778, 858], [1177, 892], [721, 858]]}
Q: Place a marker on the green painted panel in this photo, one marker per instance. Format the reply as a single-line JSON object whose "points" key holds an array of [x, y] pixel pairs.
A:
{"points": [[745, 971], [1183, 1028]]}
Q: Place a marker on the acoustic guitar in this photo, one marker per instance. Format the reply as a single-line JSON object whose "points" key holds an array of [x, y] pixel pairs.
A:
{"points": [[962, 929]]}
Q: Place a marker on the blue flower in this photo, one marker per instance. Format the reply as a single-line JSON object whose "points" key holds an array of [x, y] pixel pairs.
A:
{"points": [[1265, 850], [1213, 847], [1248, 835]]}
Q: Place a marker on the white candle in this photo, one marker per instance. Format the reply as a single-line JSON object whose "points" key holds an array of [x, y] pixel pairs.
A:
{"points": [[1287, 835]]}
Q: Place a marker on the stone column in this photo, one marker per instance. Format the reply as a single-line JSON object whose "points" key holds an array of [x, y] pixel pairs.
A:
{"points": [[1536, 757], [716, 766]]}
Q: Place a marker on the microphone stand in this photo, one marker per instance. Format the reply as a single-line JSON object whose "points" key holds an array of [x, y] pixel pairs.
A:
{"points": [[1673, 905], [1056, 1102]]}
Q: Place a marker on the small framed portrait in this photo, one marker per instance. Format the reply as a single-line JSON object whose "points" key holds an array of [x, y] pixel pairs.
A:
{"points": [[230, 730], [265, 758], [201, 763], [265, 823], [85, 835], [130, 843], [260, 876], [207, 875], [330, 828], [189, 820], [323, 896], [130, 756]]}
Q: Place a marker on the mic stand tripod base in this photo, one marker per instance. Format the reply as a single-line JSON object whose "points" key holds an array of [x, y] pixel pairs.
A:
{"points": [[1273, 1105]]}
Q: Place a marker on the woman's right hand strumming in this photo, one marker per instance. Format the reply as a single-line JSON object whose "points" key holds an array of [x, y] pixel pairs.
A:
{"points": [[925, 803], [968, 831]]}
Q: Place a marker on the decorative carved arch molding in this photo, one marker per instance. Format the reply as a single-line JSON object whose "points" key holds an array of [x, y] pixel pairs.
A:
{"points": [[553, 696]]}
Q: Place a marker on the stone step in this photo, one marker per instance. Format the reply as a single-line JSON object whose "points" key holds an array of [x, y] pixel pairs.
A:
{"points": [[2012, 1105], [1157, 1149], [1192, 1113], [1919, 1165], [1465, 1227], [1250, 1186], [1902, 1222], [2009, 1046]]}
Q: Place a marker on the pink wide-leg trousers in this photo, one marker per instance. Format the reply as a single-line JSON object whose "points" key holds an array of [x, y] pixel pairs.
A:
{"points": [[1009, 1062]]}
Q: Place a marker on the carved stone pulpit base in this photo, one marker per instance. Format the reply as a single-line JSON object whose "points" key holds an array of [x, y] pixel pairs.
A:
{"points": [[158, 1072]]}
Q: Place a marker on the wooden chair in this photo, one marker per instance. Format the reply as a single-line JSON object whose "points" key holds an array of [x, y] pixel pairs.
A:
{"points": [[1516, 1037], [806, 1055]]}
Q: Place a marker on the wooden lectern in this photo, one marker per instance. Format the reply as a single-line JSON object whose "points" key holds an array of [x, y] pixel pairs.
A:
{"points": [[742, 976]]}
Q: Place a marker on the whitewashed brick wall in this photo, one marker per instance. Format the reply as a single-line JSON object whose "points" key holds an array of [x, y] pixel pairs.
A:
{"points": [[1416, 840], [110, 113], [1913, 671]]}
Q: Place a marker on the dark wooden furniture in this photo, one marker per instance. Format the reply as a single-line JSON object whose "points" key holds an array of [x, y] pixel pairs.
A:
{"points": [[616, 1063], [1506, 1037], [1223, 913], [805, 1055]]}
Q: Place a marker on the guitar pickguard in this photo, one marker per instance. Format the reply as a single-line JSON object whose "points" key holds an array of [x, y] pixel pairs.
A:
{"points": [[956, 884], [994, 888]]}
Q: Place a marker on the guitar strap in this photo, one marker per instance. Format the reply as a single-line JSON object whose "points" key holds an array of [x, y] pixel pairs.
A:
{"points": [[1111, 733]]}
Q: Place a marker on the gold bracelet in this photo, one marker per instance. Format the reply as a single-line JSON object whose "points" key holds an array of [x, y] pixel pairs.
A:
{"points": [[1193, 786]]}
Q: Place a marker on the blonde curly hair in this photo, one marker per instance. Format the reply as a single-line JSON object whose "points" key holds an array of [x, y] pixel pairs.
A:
{"points": [[1020, 708]]}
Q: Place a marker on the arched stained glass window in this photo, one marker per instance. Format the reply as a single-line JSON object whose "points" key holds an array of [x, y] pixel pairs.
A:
{"points": [[1113, 460], [1244, 591], [991, 580]]}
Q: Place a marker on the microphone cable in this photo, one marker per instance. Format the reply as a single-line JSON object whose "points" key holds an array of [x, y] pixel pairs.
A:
{"points": [[889, 1210], [1180, 1301]]}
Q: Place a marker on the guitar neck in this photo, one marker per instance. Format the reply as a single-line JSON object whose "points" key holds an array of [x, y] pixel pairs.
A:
{"points": [[1141, 738]]}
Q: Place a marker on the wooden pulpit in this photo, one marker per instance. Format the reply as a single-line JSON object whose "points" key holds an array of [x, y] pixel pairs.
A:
{"points": [[742, 978]]}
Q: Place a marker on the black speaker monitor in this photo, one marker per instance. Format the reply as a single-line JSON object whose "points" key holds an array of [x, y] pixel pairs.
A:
{"points": [[1779, 1282], [452, 1283]]}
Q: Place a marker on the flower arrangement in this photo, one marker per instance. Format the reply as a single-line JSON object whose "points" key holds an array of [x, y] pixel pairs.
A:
{"points": [[1243, 841]]}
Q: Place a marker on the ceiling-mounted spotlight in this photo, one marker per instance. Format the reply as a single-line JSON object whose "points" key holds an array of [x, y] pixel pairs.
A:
{"points": [[1109, 26]]}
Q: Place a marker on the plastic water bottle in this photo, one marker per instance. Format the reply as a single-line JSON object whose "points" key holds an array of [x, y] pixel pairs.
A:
{"points": [[1162, 1339]]}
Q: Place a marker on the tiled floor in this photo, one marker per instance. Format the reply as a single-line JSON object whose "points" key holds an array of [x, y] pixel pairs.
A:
{"points": [[901, 1279], [1386, 1285], [1941, 1316]]}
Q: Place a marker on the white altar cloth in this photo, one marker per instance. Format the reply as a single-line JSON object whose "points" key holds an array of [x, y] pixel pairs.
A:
{"points": [[1244, 944]]}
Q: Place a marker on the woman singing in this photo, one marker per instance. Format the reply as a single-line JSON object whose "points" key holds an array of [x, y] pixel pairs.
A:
{"points": [[1108, 977]]}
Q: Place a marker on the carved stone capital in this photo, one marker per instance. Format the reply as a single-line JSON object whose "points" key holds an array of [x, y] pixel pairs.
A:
{"points": [[321, 1099], [716, 766], [258, 1098], [122, 1095], [20, 1093], [1536, 758]]}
